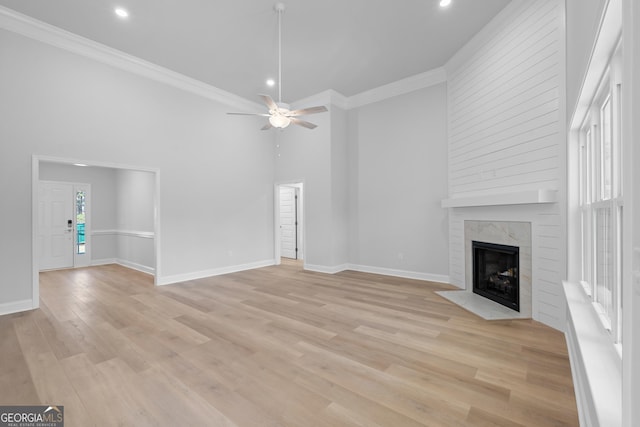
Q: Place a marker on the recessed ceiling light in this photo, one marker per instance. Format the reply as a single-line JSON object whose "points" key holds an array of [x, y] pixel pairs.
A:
{"points": [[445, 3], [271, 82], [122, 13], [80, 164]]}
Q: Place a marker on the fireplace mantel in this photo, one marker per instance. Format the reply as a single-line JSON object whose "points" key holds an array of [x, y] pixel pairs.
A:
{"points": [[501, 199]]}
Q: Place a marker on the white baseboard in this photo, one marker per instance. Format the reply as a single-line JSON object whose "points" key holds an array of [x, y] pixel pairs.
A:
{"points": [[17, 306], [104, 261], [124, 263], [400, 273], [326, 269], [135, 266], [377, 270], [177, 278]]}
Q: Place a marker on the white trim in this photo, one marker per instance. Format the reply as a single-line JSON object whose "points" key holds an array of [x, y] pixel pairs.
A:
{"points": [[156, 228], [496, 199], [101, 164], [177, 278], [16, 307], [35, 247], [326, 269], [130, 233], [378, 270], [596, 365], [29, 27], [124, 263], [104, 261], [277, 252], [135, 266], [327, 97], [400, 87], [439, 278]]}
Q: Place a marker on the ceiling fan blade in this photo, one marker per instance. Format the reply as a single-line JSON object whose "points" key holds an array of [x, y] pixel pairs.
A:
{"points": [[310, 110], [303, 123], [269, 102], [250, 114], [266, 127]]}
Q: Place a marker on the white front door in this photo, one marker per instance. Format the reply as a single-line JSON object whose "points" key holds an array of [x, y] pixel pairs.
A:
{"points": [[55, 225], [288, 244]]}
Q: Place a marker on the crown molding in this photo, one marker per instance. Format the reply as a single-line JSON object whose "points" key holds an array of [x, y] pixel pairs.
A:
{"points": [[27, 26], [327, 97], [400, 87], [37, 30]]}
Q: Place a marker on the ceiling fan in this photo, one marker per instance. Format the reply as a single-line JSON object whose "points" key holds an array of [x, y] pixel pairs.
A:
{"points": [[280, 114]]}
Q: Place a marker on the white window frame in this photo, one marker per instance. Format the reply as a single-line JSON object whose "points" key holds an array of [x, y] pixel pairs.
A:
{"points": [[600, 193]]}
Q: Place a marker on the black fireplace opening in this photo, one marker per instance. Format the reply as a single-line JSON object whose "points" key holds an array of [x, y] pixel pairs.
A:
{"points": [[496, 273]]}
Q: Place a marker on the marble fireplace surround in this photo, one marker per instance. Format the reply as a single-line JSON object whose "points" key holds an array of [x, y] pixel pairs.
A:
{"points": [[512, 233]]}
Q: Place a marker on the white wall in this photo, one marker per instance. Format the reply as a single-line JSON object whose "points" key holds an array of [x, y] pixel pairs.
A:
{"points": [[398, 172], [135, 215], [339, 187], [506, 134], [583, 21], [304, 155], [216, 203]]}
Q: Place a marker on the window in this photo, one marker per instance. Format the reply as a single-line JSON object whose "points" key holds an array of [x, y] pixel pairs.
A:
{"points": [[80, 222], [601, 200]]}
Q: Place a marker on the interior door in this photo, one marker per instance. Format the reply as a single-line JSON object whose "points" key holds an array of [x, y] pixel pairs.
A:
{"points": [[55, 225], [288, 235]]}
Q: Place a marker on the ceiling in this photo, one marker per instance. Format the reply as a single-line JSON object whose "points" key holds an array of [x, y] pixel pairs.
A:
{"points": [[346, 45]]}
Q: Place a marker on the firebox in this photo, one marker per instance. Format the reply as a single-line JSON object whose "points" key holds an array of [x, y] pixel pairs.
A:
{"points": [[496, 273]]}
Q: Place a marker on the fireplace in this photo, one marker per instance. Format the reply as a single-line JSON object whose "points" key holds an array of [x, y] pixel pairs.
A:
{"points": [[496, 273]]}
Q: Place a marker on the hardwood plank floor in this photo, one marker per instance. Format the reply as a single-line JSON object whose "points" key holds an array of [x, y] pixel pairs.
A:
{"points": [[277, 346]]}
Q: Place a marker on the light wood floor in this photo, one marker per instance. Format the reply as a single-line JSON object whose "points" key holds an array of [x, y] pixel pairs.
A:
{"points": [[277, 346]]}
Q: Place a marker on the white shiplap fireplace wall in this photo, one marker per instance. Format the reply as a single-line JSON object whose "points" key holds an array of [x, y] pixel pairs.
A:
{"points": [[506, 149]]}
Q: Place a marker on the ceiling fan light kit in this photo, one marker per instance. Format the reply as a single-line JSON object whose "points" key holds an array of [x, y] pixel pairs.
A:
{"points": [[280, 115], [279, 121]]}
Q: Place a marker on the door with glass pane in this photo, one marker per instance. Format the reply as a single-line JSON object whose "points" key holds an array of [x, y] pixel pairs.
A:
{"points": [[63, 225]]}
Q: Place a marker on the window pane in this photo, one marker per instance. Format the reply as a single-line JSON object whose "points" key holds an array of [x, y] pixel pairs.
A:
{"points": [[618, 285], [617, 123], [585, 246], [606, 154], [80, 222], [590, 183], [604, 260], [583, 174]]}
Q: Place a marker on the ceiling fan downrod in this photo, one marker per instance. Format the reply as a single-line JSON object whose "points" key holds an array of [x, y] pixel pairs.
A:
{"points": [[279, 8]]}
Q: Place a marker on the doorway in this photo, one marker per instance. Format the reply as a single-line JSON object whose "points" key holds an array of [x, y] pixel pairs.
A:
{"points": [[289, 221], [91, 246]]}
